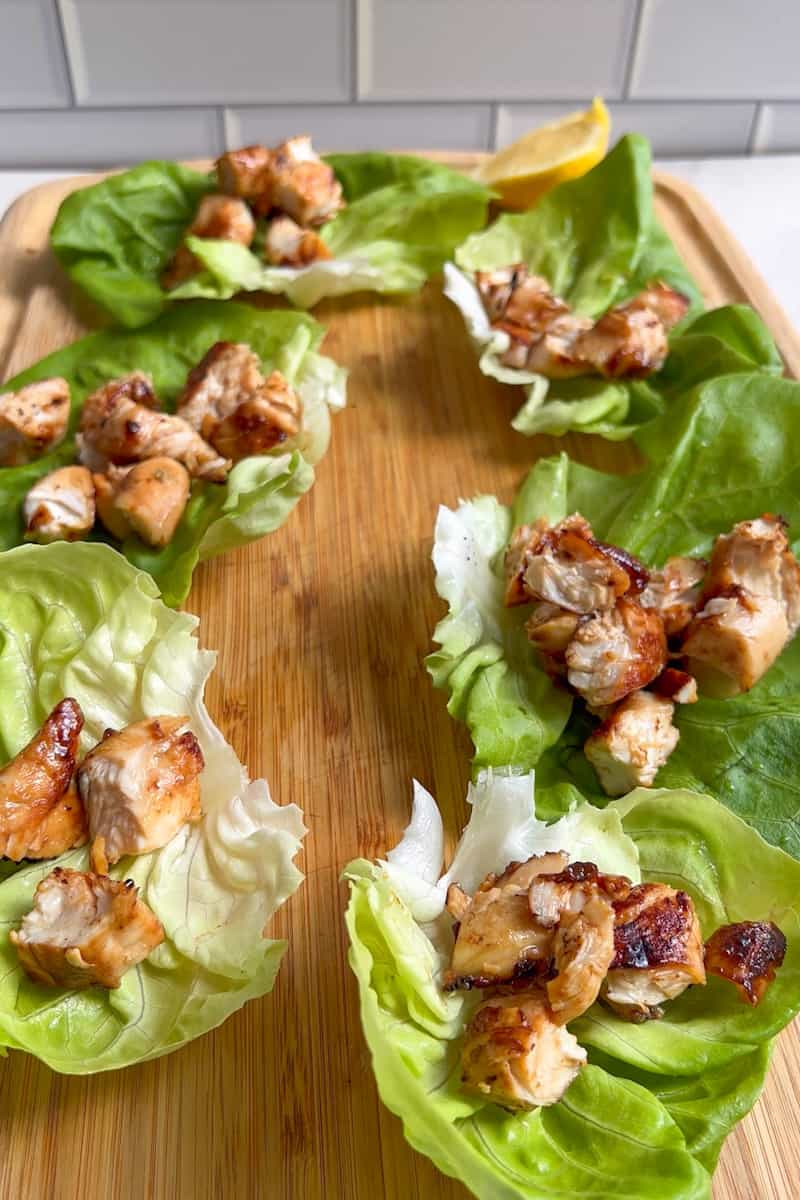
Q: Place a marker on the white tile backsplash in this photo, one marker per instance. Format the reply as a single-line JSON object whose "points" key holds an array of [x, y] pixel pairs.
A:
{"points": [[86, 138], [366, 126], [679, 128], [717, 49], [507, 49], [777, 128], [32, 67], [208, 51]]}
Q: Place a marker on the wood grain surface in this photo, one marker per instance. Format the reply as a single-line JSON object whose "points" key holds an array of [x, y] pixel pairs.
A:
{"points": [[321, 630]]}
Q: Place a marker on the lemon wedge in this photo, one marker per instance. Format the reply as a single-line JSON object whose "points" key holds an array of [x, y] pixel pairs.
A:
{"points": [[548, 155]]}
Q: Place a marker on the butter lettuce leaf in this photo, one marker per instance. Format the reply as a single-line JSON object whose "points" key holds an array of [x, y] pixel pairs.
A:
{"points": [[404, 218], [260, 491], [80, 621]]}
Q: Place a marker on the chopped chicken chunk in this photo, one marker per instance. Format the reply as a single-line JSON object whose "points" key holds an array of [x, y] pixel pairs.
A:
{"points": [[632, 745], [616, 652], [498, 939], [550, 630], [60, 506], [226, 218], [303, 186], [32, 421], [117, 426], [139, 786], [658, 951], [40, 814], [676, 685], [84, 929], [748, 954], [228, 400], [245, 172], [287, 244], [574, 903], [147, 499], [675, 592], [751, 608], [516, 1055], [631, 340]]}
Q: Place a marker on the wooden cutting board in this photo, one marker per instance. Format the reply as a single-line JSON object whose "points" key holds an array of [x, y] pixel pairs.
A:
{"points": [[321, 630]]}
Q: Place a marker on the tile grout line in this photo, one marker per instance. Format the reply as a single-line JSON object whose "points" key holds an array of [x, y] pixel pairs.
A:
{"points": [[62, 41], [633, 49], [756, 128]]}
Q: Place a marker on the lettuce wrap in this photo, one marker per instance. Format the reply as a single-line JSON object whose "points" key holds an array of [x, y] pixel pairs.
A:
{"points": [[598, 242], [404, 218], [80, 621], [724, 453], [260, 491], [647, 1117]]}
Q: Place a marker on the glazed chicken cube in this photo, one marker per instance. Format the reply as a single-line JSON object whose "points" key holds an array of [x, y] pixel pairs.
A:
{"points": [[41, 815], [226, 218], [674, 592], [498, 939], [751, 608], [497, 287], [118, 427], [747, 954], [676, 685], [228, 400], [631, 339], [516, 1055], [147, 499], [32, 421], [245, 172], [289, 245], [632, 745], [616, 652], [658, 951], [84, 929], [139, 786], [60, 506], [542, 328], [303, 186], [550, 630]]}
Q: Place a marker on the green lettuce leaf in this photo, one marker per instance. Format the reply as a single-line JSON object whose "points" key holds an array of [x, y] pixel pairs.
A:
{"points": [[80, 621], [404, 218], [260, 491], [649, 1114], [724, 453]]}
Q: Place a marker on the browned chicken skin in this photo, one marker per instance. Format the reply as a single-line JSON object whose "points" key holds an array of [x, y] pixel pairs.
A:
{"points": [[616, 652], [302, 186], [40, 813], [147, 499], [245, 172], [32, 421], [287, 244], [60, 506], [226, 218], [84, 929], [747, 954]]}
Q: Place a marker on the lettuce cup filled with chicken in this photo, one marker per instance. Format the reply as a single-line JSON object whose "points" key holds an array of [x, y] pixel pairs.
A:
{"points": [[265, 219], [139, 865], [195, 436], [584, 1001], [585, 303], [636, 631]]}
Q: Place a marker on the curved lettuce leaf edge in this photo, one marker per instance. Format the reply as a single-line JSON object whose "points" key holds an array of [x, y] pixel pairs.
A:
{"points": [[81, 621]]}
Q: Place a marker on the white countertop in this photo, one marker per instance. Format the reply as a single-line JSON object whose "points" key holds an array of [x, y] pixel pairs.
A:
{"points": [[758, 198]]}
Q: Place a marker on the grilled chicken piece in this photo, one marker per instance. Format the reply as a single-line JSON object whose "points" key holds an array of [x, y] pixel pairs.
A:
{"points": [[632, 745], [148, 499], [226, 218], [33, 421], [550, 630], [84, 929], [60, 506], [229, 401], [139, 785], [677, 686], [118, 426], [631, 340], [288, 245], [616, 652], [674, 592], [498, 939], [748, 954], [303, 186], [516, 1055], [245, 173], [40, 814], [497, 287], [574, 904], [658, 951], [751, 608]]}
